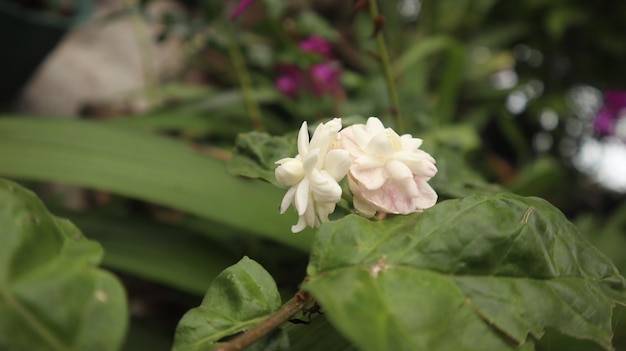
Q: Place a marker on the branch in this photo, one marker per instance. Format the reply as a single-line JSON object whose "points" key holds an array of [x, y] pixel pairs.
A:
{"points": [[247, 338], [385, 66]]}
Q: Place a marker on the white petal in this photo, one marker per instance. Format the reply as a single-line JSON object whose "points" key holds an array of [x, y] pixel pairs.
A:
{"points": [[374, 125], [363, 207], [325, 134], [324, 187], [409, 143], [361, 136], [298, 227], [337, 163], [290, 172], [310, 161], [309, 216], [323, 210], [380, 145], [303, 140], [302, 196], [366, 161], [287, 199]]}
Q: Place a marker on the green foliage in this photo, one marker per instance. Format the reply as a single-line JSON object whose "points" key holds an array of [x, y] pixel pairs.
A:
{"points": [[239, 298], [479, 273], [483, 271], [142, 166], [52, 294], [256, 153]]}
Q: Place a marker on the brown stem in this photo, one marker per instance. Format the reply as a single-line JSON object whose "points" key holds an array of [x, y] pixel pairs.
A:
{"points": [[247, 338], [385, 65]]}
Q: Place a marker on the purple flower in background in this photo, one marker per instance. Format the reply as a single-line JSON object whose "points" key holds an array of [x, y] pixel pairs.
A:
{"points": [[614, 107], [290, 80], [325, 77], [243, 5], [320, 78], [317, 45]]}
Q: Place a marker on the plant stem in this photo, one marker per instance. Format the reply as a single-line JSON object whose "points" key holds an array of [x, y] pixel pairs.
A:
{"points": [[386, 68], [247, 338], [246, 83], [147, 64]]}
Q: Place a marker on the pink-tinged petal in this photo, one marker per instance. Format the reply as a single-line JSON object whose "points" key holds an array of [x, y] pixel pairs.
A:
{"points": [[425, 155], [337, 163], [418, 165], [303, 140], [427, 196], [370, 179], [302, 196], [398, 170], [380, 145], [406, 187], [298, 227], [374, 126], [348, 141], [356, 139], [243, 5], [389, 199], [287, 199]]}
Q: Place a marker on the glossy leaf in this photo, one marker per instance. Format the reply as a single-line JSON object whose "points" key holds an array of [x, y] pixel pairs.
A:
{"points": [[479, 273], [52, 294], [239, 298], [143, 166], [256, 154]]}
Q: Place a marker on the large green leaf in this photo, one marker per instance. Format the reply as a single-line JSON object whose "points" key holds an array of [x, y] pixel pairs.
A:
{"points": [[143, 166], [140, 247], [52, 295], [479, 273], [239, 298]]}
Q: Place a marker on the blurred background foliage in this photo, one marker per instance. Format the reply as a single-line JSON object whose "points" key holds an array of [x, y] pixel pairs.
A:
{"points": [[506, 96]]}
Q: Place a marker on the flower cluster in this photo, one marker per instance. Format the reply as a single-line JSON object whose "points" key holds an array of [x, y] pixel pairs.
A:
{"points": [[387, 173], [319, 78]]}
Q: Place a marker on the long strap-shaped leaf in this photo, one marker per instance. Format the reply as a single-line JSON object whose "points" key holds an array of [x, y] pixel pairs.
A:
{"points": [[143, 166]]}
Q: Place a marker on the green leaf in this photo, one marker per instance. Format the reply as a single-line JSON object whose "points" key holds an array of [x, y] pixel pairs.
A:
{"points": [[319, 334], [140, 247], [52, 295], [256, 153], [240, 297], [143, 166], [479, 273]]}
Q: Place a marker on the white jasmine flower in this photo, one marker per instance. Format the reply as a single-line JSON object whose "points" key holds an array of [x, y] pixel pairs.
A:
{"points": [[389, 173], [313, 175]]}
